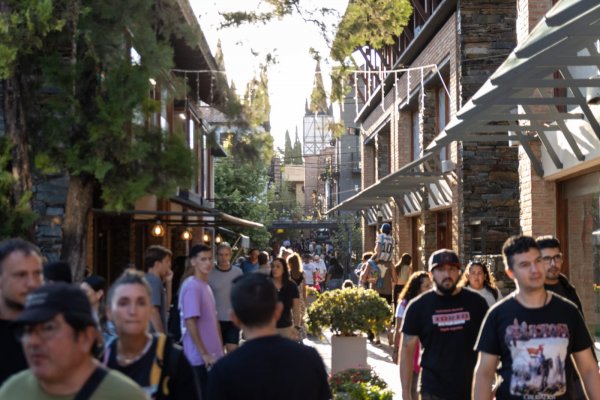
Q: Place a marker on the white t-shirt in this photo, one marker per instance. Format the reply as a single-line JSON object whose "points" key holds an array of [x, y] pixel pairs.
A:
{"points": [[309, 270], [401, 308], [386, 247], [487, 295]]}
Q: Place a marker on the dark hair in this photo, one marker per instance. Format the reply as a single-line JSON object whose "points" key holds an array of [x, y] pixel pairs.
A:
{"points": [[96, 282], [9, 246], [58, 271], [367, 256], [406, 259], [413, 286], [263, 258], [347, 284], [129, 277], [547, 242], [155, 254], [488, 279], [294, 264], [251, 250], [286, 271], [253, 299], [197, 249], [517, 245]]}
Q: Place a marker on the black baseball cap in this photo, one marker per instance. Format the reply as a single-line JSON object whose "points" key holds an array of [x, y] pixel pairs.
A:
{"points": [[56, 298], [443, 257]]}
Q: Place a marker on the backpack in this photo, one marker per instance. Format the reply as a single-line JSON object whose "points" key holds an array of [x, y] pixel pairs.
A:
{"points": [[375, 274], [164, 366]]}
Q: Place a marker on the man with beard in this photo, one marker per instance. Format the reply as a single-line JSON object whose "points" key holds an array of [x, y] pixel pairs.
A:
{"points": [[446, 321], [20, 273], [531, 333]]}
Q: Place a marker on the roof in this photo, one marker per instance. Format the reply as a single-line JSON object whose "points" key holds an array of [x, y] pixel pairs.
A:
{"points": [[517, 103]]}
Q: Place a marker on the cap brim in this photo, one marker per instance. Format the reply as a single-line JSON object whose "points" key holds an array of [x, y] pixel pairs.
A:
{"points": [[447, 263], [35, 316]]}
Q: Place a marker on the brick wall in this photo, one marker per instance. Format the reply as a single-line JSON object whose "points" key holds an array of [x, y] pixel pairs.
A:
{"points": [[537, 198]]}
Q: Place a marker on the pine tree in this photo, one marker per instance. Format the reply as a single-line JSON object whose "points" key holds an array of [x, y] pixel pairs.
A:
{"points": [[288, 153], [297, 152]]}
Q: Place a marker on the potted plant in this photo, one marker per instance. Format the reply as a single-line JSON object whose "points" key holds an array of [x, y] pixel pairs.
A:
{"points": [[348, 313], [359, 383]]}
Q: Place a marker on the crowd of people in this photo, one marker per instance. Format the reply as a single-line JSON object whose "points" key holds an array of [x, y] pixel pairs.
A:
{"points": [[156, 334], [161, 332]]}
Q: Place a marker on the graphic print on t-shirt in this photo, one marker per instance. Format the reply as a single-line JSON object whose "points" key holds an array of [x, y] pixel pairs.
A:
{"points": [[450, 319], [538, 359]]}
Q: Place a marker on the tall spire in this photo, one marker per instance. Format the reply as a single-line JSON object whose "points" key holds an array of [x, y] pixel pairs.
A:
{"points": [[318, 97]]}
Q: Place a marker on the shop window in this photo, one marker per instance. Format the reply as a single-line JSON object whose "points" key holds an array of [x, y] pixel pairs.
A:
{"points": [[579, 232]]}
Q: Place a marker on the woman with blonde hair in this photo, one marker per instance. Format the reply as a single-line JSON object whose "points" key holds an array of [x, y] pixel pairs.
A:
{"points": [[153, 361]]}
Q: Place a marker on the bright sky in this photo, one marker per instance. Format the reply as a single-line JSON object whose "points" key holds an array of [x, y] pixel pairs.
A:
{"points": [[291, 79]]}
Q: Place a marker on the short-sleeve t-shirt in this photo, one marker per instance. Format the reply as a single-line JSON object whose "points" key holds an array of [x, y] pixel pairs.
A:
{"points": [[13, 359], [158, 296], [447, 327], [287, 294], [533, 345], [196, 300], [115, 385], [220, 282], [386, 247]]}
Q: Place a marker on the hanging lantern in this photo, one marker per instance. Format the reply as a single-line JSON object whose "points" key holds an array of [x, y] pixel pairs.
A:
{"points": [[158, 230], [218, 239], [206, 237], [187, 234]]}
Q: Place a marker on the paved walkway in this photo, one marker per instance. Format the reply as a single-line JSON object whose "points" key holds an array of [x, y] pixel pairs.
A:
{"points": [[379, 358]]}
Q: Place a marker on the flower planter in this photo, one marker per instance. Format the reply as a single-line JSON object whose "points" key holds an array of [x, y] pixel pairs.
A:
{"points": [[310, 299], [348, 352]]}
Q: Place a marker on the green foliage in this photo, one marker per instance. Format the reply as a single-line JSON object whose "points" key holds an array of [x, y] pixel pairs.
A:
{"points": [[370, 22], [288, 151], [346, 312], [241, 182], [373, 23], [297, 151], [23, 26], [93, 90], [256, 105], [359, 384], [18, 218]]}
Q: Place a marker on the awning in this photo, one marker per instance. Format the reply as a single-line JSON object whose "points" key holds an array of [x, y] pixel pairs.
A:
{"points": [[198, 215], [548, 81], [395, 186]]}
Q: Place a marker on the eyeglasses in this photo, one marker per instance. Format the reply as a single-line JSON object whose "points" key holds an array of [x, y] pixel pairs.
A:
{"points": [[45, 331], [556, 258]]}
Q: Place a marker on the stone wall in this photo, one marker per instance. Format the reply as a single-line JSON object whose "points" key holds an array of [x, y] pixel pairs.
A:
{"points": [[49, 198], [487, 172]]}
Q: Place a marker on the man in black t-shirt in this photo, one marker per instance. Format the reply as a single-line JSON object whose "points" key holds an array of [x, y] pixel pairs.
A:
{"points": [[446, 322], [558, 283], [267, 366], [532, 332], [20, 273], [553, 261]]}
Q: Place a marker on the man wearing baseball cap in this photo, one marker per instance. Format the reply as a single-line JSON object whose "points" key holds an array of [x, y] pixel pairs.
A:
{"points": [[58, 332], [446, 321]]}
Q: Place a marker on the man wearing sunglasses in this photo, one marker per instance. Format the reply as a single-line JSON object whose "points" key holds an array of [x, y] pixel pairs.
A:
{"points": [[553, 260]]}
